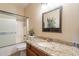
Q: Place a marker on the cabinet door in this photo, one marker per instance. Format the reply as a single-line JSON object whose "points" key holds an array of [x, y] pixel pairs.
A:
{"points": [[30, 53]]}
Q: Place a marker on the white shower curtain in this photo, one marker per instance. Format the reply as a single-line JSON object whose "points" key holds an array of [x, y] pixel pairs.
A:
{"points": [[11, 31]]}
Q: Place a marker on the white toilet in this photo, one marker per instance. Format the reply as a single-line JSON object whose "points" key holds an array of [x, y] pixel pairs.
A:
{"points": [[22, 48]]}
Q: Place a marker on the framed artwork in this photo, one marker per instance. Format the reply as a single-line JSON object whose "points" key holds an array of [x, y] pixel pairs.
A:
{"points": [[51, 20]]}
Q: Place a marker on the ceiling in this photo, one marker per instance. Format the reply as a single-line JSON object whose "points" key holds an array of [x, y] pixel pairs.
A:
{"points": [[22, 4]]}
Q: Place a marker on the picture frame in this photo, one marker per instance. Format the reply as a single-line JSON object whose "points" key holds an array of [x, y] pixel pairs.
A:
{"points": [[51, 20]]}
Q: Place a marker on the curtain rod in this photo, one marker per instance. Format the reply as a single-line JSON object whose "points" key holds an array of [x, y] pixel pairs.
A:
{"points": [[12, 13]]}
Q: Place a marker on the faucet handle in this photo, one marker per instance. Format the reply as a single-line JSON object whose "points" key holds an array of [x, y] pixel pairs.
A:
{"points": [[50, 40]]}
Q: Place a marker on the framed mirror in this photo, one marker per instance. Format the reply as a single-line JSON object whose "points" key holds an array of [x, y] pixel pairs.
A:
{"points": [[51, 20]]}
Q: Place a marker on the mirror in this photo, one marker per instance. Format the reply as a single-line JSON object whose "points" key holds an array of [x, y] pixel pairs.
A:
{"points": [[51, 20]]}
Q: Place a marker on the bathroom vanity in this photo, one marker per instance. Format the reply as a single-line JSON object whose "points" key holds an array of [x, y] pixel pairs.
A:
{"points": [[41, 47]]}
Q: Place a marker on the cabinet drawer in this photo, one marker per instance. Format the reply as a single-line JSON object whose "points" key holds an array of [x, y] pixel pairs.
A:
{"points": [[30, 53]]}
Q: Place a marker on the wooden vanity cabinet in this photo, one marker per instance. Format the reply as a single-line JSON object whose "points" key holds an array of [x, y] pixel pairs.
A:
{"points": [[33, 51]]}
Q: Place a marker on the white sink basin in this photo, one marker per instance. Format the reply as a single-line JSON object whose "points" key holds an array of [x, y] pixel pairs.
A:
{"points": [[44, 44]]}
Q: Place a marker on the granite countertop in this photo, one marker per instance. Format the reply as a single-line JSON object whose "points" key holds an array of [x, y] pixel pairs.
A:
{"points": [[54, 48]]}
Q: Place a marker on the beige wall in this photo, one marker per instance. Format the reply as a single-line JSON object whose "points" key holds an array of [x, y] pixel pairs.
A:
{"points": [[12, 7], [70, 20]]}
